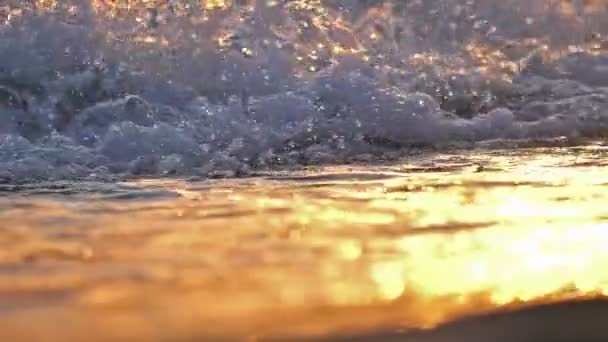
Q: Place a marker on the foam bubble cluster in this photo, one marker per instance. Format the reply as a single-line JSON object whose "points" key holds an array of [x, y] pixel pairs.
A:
{"points": [[92, 89]]}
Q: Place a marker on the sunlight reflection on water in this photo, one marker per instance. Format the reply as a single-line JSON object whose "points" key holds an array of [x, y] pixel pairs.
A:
{"points": [[408, 245]]}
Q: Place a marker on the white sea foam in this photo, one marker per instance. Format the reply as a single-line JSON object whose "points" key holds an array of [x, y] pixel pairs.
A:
{"points": [[289, 84]]}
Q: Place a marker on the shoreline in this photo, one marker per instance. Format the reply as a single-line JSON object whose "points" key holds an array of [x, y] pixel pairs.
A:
{"points": [[575, 321]]}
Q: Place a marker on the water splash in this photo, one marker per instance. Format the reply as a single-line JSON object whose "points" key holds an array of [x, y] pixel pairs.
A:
{"points": [[99, 88]]}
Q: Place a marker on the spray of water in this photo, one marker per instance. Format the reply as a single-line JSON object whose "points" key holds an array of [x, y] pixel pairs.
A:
{"points": [[95, 88]]}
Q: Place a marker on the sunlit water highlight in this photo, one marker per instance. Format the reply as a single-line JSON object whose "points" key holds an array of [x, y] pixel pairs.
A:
{"points": [[395, 179], [319, 252]]}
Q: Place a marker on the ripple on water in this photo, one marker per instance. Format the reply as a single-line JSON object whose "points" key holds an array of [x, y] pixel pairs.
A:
{"points": [[261, 257]]}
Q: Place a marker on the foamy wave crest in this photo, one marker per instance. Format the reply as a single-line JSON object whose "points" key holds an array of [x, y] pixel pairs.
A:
{"points": [[90, 89]]}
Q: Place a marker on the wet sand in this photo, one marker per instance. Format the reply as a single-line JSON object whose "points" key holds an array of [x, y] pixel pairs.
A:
{"points": [[564, 322]]}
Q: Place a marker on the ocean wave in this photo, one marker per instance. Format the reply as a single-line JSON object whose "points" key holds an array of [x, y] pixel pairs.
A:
{"points": [[303, 82]]}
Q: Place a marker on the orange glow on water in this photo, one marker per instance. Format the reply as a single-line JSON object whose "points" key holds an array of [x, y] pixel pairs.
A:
{"points": [[259, 257], [325, 36], [356, 248]]}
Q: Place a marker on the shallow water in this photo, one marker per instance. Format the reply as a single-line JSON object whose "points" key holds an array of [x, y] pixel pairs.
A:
{"points": [[323, 251], [299, 168]]}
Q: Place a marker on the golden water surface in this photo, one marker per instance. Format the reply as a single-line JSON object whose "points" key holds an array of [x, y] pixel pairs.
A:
{"points": [[310, 253]]}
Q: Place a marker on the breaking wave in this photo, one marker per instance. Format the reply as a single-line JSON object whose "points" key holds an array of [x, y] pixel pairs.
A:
{"points": [[89, 89]]}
